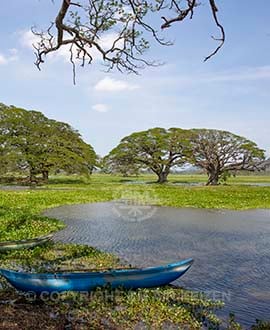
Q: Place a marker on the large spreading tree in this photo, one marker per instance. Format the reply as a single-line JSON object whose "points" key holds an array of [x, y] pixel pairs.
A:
{"points": [[32, 142], [157, 149], [218, 152]]}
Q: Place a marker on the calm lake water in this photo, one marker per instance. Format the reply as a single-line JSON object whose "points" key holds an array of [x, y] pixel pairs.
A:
{"points": [[231, 249]]}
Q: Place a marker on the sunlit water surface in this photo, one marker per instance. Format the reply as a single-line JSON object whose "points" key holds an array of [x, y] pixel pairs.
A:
{"points": [[231, 249]]}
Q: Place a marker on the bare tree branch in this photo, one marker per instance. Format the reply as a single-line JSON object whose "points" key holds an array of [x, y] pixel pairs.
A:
{"points": [[83, 27], [183, 13], [222, 38], [84, 31]]}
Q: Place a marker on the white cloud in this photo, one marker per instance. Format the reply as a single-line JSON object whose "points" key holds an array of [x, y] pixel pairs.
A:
{"points": [[3, 59], [242, 74], [11, 57], [107, 40], [114, 85], [249, 73], [28, 39], [241, 77], [62, 53], [100, 107], [13, 51]]}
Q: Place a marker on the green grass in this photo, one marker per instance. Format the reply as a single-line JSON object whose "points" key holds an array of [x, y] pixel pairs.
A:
{"points": [[20, 218], [79, 181], [121, 309], [222, 197], [58, 256], [20, 210], [172, 178]]}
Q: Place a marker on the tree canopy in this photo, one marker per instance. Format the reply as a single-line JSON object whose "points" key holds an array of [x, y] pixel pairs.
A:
{"points": [[83, 25], [218, 152], [157, 149], [119, 163], [31, 142]]}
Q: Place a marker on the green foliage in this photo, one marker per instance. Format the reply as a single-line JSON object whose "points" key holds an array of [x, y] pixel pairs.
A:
{"points": [[149, 308], [225, 176], [124, 309], [120, 163], [20, 211], [40, 145], [219, 152], [157, 149], [232, 324], [219, 197], [57, 256], [160, 308], [261, 325], [216, 152]]}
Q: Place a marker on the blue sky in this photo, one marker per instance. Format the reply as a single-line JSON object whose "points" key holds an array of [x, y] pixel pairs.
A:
{"points": [[229, 92]]}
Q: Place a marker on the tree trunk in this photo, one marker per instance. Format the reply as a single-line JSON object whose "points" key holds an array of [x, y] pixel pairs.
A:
{"points": [[45, 176], [32, 178], [162, 177], [213, 178]]}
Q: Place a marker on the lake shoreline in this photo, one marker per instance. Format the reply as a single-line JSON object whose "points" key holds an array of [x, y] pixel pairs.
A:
{"points": [[24, 209], [100, 233]]}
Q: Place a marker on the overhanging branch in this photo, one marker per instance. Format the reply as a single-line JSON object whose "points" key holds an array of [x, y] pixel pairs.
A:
{"points": [[84, 24]]}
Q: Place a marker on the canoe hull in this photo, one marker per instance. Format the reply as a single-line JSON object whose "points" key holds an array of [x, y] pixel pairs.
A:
{"points": [[128, 279], [24, 244]]}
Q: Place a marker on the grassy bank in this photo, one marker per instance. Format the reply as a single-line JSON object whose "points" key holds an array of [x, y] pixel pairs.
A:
{"points": [[163, 308], [20, 210], [102, 309]]}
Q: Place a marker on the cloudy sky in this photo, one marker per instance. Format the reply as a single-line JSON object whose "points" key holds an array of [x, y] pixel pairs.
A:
{"points": [[229, 92]]}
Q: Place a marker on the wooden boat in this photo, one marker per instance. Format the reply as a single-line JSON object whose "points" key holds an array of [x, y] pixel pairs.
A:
{"points": [[87, 281], [28, 243]]}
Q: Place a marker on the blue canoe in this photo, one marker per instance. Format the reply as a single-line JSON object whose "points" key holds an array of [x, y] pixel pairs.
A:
{"points": [[87, 281]]}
